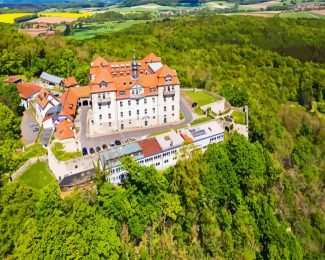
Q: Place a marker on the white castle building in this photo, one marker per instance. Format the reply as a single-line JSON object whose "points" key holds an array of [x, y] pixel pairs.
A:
{"points": [[133, 94]]}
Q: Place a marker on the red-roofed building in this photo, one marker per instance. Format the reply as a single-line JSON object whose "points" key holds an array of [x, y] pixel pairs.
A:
{"points": [[133, 94], [70, 82], [64, 130], [44, 101], [69, 101], [150, 147], [27, 92], [13, 80]]}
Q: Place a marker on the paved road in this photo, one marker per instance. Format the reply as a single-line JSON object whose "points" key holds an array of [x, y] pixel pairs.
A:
{"points": [[88, 142], [28, 136]]}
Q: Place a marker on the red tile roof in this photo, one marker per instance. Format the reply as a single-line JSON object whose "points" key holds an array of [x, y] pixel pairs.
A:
{"points": [[82, 92], [43, 98], [70, 82], [69, 101], [64, 130], [27, 90], [12, 80], [118, 75], [150, 147]]}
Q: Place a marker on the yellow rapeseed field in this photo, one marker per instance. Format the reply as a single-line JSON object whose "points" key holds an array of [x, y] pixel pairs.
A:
{"points": [[9, 18], [66, 15]]}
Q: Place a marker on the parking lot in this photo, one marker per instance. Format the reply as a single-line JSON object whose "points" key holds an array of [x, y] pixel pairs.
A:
{"points": [[28, 133]]}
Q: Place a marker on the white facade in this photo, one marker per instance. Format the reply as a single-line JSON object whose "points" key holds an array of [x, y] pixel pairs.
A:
{"points": [[137, 111], [171, 143]]}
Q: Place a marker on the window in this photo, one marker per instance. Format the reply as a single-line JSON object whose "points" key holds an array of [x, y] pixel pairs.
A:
{"points": [[121, 103], [99, 95], [137, 101], [165, 108], [164, 99], [121, 114], [153, 99], [152, 90], [173, 98], [173, 107], [168, 78], [132, 91], [138, 112], [145, 101], [122, 93], [130, 122], [109, 104], [99, 106], [122, 126], [100, 117], [109, 124], [145, 111], [109, 115], [129, 113], [154, 110], [129, 102]]}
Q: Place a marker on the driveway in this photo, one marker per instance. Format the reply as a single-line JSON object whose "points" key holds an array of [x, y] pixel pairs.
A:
{"points": [[28, 136], [88, 142]]}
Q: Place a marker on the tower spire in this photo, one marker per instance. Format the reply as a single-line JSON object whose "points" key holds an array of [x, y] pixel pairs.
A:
{"points": [[134, 66]]}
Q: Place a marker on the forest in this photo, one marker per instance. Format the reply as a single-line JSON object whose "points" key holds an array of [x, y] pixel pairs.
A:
{"points": [[260, 198]]}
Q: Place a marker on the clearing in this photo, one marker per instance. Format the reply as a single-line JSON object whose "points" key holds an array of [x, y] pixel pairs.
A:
{"points": [[37, 176]]}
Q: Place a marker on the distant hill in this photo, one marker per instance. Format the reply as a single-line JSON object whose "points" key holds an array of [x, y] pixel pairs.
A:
{"points": [[160, 2]]}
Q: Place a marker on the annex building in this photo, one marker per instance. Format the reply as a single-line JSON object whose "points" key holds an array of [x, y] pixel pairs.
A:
{"points": [[133, 94]]}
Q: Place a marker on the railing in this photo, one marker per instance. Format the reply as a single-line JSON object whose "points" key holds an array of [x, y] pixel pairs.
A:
{"points": [[104, 99], [169, 93], [140, 95]]}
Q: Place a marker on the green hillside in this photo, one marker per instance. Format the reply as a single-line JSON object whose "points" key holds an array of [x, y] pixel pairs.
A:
{"points": [[260, 198]]}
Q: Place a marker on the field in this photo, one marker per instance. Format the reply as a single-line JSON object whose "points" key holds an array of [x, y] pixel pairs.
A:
{"points": [[65, 15], [93, 29], [298, 15], [200, 97], [259, 6], [219, 5], [10, 18], [147, 8], [37, 176]]}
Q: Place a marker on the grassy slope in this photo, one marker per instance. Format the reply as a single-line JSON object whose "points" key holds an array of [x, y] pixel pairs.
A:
{"points": [[37, 175]]}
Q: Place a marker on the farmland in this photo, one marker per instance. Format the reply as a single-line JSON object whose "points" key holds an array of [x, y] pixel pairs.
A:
{"points": [[65, 15], [10, 18], [91, 30]]}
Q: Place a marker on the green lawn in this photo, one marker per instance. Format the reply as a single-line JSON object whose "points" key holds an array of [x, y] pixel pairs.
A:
{"points": [[239, 117], [38, 175], [35, 150], [60, 154], [200, 120], [91, 30], [200, 97]]}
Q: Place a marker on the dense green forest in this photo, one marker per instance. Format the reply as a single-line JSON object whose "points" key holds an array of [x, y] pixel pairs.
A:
{"points": [[261, 198]]}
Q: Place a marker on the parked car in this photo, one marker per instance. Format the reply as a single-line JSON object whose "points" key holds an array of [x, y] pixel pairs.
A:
{"points": [[104, 146], [84, 151], [117, 142], [36, 129], [112, 145], [98, 149], [194, 104], [91, 150]]}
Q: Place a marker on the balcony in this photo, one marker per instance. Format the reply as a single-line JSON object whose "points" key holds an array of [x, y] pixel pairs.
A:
{"points": [[136, 96], [169, 93], [104, 99]]}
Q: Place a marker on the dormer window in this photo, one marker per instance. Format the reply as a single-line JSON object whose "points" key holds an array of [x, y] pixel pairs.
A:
{"points": [[103, 85], [122, 93], [121, 74], [168, 78], [152, 89]]}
